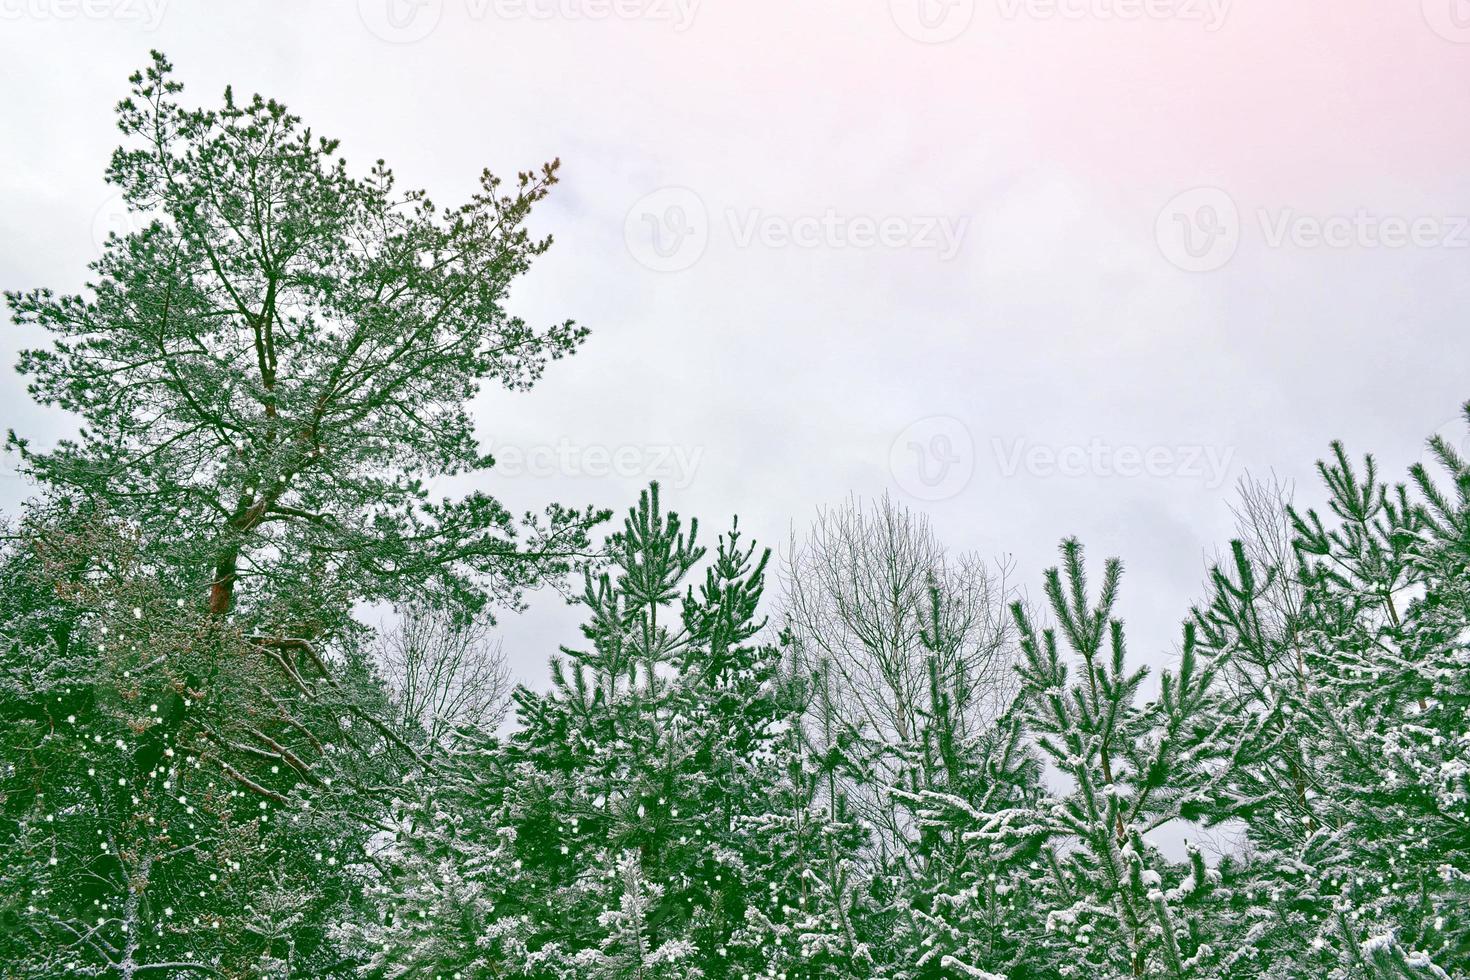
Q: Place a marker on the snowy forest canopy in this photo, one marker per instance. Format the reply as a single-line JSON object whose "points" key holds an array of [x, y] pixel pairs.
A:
{"points": [[877, 760]]}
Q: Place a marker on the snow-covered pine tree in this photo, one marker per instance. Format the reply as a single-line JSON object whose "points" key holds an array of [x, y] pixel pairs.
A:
{"points": [[595, 759], [1282, 878], [1431, 752], [620, 830], [120, 861], [1117, 907], [512, 857], [431, 907], [955, 908], [798, 850], [1356, 814], [268, 374], [971, 909], [444, 841]]}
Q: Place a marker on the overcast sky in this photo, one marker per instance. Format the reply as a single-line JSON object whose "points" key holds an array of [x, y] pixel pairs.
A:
{"points": [[1037, 267]]}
